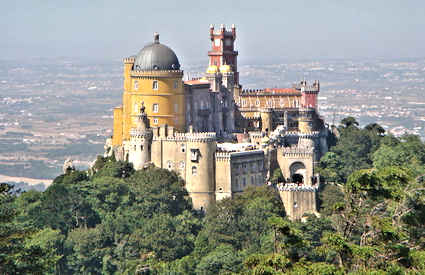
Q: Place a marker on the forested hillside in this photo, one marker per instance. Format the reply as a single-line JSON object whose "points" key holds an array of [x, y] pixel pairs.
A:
{"points": [[114, 220]]}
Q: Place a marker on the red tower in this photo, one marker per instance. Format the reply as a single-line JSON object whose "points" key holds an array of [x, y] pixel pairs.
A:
{"points": [[223, 49]]}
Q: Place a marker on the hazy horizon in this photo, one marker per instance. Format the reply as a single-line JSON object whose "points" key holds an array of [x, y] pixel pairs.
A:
{"points": [[266, 31]]}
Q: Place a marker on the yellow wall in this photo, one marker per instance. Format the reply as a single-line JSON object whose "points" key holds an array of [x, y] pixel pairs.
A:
{"points": [[170, 99]]}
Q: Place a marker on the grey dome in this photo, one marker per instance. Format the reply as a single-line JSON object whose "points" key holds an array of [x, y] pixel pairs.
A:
{"points": [[156, 56]]}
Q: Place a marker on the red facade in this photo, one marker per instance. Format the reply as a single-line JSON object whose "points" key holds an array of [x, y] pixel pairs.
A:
{"points": [[223, 49]]}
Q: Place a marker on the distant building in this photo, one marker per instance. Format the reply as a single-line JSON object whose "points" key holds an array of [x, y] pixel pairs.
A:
{"points": [[217, 136]]}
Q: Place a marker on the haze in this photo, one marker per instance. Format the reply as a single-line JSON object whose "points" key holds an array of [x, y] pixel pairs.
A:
{"points": [[267, 30]]}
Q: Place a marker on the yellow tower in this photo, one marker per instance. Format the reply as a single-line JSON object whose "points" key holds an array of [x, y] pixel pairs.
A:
{"points": [[152, 78]]}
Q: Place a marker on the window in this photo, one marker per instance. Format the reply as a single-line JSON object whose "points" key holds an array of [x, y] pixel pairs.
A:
{"points": [[194, 170], [257, 102], [194, 155], [244, 181], [183, 147], [217, 42], [170, 165], [136, 85], [155, 121], [155, 85], [243, 102], [141, 147], [252, 180], [176, 107], [155, 108], [175, 84], [135, 148], [182, 165]]}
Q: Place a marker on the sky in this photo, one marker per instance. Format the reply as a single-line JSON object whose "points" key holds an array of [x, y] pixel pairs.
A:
{"points": [[267, 30]]}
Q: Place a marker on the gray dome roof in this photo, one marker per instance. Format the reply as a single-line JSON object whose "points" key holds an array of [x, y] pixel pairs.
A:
{"points": [[156, 56]]}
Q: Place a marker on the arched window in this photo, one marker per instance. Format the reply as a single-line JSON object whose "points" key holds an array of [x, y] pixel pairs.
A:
{"points": [[170, 165], [136, 85], [194, 170]]}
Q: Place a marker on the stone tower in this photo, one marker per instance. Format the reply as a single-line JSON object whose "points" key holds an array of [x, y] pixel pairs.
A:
{"points": [[200, 170], [139, 146]]}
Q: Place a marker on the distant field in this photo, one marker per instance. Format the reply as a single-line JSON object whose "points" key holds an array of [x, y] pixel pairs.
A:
{"points": [[50, 110]]}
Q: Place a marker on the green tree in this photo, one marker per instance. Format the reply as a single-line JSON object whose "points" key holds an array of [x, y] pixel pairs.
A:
{"points": [[19, 254], [224, 259]]}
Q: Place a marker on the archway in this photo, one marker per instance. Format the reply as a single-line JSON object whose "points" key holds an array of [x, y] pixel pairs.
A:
{"points": [[298, 172], [297, 178]]}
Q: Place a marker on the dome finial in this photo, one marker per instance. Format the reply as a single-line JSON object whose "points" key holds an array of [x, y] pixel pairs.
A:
{"points": [[156, 38]]}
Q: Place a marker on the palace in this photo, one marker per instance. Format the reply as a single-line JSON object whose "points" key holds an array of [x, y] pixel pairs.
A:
{"points": [[217, 136]]}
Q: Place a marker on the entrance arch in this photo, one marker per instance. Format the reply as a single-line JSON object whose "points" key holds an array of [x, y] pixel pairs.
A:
{"points": [[298, 172]]}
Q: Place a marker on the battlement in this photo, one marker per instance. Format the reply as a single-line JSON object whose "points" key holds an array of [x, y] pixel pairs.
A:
{"points": [[226, 156], [312, 134], [269, 92], [201, 136], [297, 152], [168, 133], [222, 156], [157, 74], [293, 187], [129, 60], [222, 31], [138, 133], [305, 88]]}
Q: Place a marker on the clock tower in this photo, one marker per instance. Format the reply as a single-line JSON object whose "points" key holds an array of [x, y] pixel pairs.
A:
{"points": [[223, 49]]}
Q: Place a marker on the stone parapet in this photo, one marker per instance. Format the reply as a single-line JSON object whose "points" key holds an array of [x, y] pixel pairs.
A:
{"points": [[140, 133], [262, 92], [293, 187], [193, 137], [222, 156], [157, 74], [297, 152], [311, 134], [129, 60]]}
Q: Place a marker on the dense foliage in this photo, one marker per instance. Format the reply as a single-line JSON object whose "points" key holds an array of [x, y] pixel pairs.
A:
{"points": [[114, 220]]}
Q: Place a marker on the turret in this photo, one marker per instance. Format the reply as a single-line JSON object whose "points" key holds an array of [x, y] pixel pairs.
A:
{"points": [[223, 49], [140, 141], [309, 94], [200, 175]]}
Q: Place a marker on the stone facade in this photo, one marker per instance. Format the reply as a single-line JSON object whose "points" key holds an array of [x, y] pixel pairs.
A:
{"points": [[217, 136]]}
